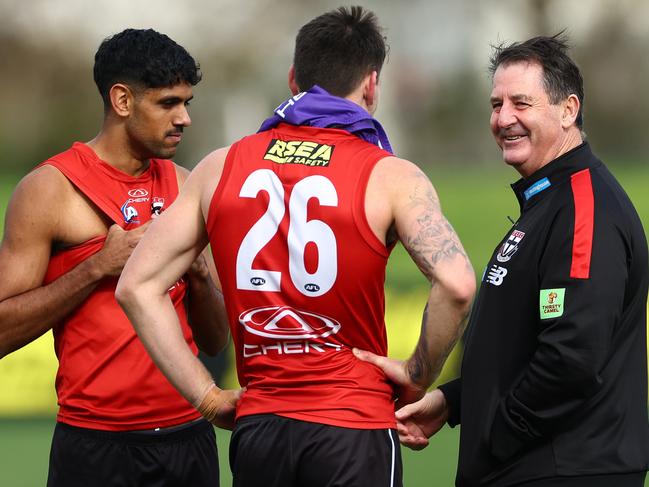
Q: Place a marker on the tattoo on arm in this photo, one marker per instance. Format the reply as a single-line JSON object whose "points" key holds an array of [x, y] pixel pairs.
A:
{"points": [[419, 367], [434, 239], [422, 370]]}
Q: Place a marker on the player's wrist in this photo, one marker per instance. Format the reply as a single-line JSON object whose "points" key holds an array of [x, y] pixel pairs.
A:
{"points": [[93, 268], [418, 379], [210, 403]]}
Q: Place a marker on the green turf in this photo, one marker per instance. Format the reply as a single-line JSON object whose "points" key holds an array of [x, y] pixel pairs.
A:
{"points": [[25, 443]]}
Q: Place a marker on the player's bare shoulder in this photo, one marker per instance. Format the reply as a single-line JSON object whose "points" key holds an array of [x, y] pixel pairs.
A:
{"points": [[37, 202], [207, 174], [393, 183], [182, 173], [47, 205], [418, 219], [392, 173]]}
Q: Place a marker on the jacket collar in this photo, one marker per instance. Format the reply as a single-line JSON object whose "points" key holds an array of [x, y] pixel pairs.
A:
{"points": [[532, 189]]}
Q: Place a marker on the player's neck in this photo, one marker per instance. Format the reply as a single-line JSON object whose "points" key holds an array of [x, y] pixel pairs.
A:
{"points": [[112, 147]]}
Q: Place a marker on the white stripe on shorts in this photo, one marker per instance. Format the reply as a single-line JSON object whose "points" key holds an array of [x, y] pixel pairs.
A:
{"points": [[393, 457]]}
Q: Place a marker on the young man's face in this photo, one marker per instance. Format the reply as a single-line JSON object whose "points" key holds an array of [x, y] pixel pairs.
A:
{"points": [[158, 119], [526, 126]]}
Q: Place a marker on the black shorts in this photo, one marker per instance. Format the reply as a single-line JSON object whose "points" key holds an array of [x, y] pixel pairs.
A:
{"points": [[273, 451], [173, 457]]}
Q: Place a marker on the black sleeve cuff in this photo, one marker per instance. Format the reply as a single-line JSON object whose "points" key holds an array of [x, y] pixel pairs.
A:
{"points": [[453, 394]]}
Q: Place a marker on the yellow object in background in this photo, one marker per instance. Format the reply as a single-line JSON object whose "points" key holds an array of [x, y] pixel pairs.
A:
{"points": [[27, 380]]}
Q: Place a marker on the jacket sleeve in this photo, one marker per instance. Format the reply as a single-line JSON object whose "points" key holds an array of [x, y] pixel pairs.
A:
{"points": [[453, 394], [580, 304]]}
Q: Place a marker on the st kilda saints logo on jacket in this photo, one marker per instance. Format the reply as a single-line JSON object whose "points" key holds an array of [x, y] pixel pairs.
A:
{"points": [[510, 246]]}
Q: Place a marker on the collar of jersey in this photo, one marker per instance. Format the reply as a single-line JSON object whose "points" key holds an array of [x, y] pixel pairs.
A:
{"points": [[530, 190], [110, 170]]}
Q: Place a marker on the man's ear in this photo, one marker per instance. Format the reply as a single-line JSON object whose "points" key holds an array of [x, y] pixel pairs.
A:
{"points": [[570, 111], [370, 92], [292, 85], [121, 99]]}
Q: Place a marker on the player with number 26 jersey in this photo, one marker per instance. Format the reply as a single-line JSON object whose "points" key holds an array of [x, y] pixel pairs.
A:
{"points": [[303, 275]]}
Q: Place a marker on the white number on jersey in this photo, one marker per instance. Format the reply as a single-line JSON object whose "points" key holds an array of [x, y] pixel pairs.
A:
{"points": [[301, 231]]}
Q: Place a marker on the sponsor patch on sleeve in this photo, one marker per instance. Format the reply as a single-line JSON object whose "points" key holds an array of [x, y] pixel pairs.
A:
{"points": [[551, 303]]}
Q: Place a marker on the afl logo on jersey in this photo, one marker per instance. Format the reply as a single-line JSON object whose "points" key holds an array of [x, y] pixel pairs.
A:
{"points": [[284, 322], [138, 193], [129, 213], [257, 281]]}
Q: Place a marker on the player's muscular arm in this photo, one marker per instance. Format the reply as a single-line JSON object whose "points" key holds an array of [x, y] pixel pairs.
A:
{"points": [[205, 306], [156, 264], [402, 203], [436, 249], [207, 316], [27, 308]]}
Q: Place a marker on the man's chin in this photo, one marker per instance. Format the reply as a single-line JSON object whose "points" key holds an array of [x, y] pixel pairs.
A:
{"points": [[166, 153], [513, 158]]}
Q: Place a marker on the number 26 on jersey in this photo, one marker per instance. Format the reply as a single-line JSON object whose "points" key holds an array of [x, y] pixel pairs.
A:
{"points": [[300, 232]]}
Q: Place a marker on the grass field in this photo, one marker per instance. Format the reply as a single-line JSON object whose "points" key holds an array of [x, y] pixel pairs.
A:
{"points": [[477, 202]]}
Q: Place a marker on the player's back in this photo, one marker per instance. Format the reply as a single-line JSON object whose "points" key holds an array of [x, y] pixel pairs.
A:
{"points": [[303, 275]]}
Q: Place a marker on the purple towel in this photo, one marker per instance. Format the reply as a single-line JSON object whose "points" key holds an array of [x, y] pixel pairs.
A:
{"points": [[317, 108]]}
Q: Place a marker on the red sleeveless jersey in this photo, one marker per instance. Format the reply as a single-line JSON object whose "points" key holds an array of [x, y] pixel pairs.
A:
{"points": [[303, 275], [106, 379]]}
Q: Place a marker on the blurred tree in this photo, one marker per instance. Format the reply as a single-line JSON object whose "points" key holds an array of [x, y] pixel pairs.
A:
{"points": [[616, 74]]}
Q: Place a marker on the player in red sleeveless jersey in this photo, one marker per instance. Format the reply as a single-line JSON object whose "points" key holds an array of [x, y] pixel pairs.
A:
{"points": [[71, 224], [301, 218]]}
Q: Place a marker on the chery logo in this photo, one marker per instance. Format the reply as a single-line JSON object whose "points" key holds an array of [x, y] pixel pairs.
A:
{"points": [[138, 193], [287, 323]]}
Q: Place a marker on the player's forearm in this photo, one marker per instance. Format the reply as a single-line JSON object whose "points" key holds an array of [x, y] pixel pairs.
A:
{"points": [[155, 320], [25, 317], [207, 316], [443, 322]]}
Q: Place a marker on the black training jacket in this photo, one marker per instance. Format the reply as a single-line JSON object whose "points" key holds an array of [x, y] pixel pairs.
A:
{"points": [[554, 375]]}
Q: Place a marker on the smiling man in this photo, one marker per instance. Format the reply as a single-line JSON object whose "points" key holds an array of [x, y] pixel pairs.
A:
{"points": [[70, 226], [553, 389]]}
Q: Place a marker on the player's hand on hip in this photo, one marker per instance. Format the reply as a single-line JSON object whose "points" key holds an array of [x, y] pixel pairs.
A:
{"points": [[219, 406], [118, 247], [405, 390], [419, 421]]}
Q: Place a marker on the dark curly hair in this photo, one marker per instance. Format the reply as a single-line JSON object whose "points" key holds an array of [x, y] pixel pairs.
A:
{"points": [[337, 49], [142, 58], [561, 76]]}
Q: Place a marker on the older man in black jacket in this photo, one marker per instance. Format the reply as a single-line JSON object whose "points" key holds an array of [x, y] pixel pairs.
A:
{"points": [[553, 390]]}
